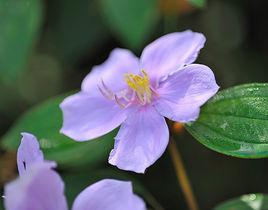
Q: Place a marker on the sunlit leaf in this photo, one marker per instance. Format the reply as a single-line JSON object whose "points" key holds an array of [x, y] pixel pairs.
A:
{"points": [[45, 121], [19, 21], [245, 202], [235, 122]]}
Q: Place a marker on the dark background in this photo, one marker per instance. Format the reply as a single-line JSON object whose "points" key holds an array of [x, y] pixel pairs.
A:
{"points": [[73, 36]]}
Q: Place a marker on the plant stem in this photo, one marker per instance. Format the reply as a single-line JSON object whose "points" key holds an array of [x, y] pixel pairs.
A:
{"points": [[182, 176]]}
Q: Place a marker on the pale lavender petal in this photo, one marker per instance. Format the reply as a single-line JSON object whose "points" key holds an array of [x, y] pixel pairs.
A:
{"points": [[39, 188], [171, 52], [28, 152], [112, 71], [182, 94], [141, 140], [108, 194], [86, 117]]}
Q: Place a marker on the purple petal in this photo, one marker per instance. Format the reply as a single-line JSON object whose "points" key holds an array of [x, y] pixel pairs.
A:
{"points": [[171, 52], [141, 140], [182, 93], [108, 194], [86, 117], [120, 62], [28, 152], [40, 188]]}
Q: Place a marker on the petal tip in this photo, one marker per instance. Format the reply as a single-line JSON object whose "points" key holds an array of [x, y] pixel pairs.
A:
{"points": [[69, 134], [140, 170], [26, 134]]}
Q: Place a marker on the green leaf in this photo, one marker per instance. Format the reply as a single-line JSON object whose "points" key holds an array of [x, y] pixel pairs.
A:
{"points": [[198, 3], [20, 21], [132, 21], [76, 182], [45, 121], [245, 202], [235, 122]]}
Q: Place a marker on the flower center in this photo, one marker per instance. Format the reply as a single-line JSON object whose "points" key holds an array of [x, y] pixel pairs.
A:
{"points": [[139, 90], [141, 86]]}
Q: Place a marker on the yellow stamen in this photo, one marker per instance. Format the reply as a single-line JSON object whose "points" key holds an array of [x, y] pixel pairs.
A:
{"points": [[141, 85]]}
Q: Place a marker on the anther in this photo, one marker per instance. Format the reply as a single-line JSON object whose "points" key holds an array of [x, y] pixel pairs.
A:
{"points": [[141, 86]]}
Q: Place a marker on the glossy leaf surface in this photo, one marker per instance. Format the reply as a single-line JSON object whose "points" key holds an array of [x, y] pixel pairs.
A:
{"points": [[245, 202], [235, 122]]}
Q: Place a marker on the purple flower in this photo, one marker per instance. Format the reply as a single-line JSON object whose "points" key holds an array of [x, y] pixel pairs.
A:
{"points": [[39, 187], [138, 94], [28, 153]]}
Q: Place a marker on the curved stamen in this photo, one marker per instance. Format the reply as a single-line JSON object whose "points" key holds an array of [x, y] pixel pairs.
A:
{"points": [[140, 90], [118, 102], [105, 91]]}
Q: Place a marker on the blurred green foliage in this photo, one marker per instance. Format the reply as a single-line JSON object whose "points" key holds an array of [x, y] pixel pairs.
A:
{"points": [[198, 3], [79, 21], [132, 21], [20, 22]]}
